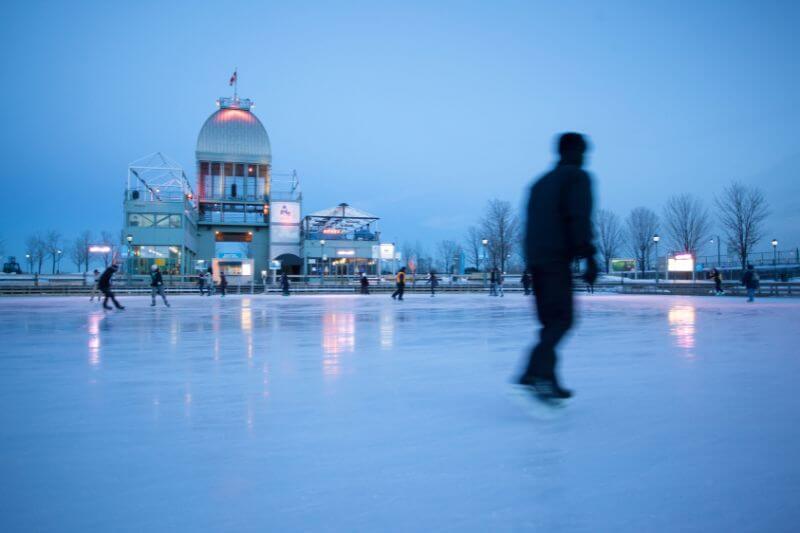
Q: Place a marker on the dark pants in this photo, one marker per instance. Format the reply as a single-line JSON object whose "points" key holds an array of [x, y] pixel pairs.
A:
{"points": [[401, 288], [108, 294], [222, 288], [552, 288], [718, 285]]}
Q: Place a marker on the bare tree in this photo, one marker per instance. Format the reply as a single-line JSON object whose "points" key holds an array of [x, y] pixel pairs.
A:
{"points": [[473, 246], [449, 252], [53, 247], [424, 260], [79, 250], [609, 235], [501, 226], [742, 211], [642, 225], [687, 222], [36, 251]]}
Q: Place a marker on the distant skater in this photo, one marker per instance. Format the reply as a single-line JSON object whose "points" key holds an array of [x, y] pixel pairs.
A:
{"points": [[156, 286], [434, 281], [400, 279], [201, 282], [285, 284], [208, 279], [751, 281], [716, 275], [499, 284], [493, 282], [558, 230], [95, 289], [525, 279], [223, 283], [104, 284], [364, 282]]}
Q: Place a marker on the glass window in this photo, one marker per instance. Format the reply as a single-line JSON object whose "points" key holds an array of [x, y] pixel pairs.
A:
{"points": [[229, 169], [146, 220], [134, 219], [175, 221], [215, 169], [251, 171], [239, 169], [204, 169], [262, 171], [161, 221]]}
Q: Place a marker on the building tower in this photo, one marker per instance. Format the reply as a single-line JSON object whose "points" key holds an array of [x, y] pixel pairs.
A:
{"points": [[233, 180]]}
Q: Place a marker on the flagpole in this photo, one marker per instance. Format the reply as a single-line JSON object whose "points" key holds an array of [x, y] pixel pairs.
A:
{"points": [[235, 83]]}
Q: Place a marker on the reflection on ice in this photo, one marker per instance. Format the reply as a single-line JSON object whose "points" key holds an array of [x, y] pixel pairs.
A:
{"points": [[338, 336], [681, 322], [94, 337]]}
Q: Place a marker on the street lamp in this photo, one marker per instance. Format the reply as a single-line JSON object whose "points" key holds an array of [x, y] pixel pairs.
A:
{"points": [[30, 263], [656, 238], [58, 261], [323, 258], [129, 238], [775, 257], [485, 243]]}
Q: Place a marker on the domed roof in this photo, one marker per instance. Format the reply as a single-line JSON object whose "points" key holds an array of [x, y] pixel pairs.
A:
{"points": [[233, 134]]}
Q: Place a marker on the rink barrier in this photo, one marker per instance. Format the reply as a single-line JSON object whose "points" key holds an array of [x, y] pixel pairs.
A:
{"points": [[66, 285]]}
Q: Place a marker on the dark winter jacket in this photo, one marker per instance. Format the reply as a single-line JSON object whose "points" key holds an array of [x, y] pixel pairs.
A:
{"points": [[284, 281], [559, 223], [104, 283], [750, 279], [493, 277], [364, 281], [223, 281], [526, 280], [156, 280]]}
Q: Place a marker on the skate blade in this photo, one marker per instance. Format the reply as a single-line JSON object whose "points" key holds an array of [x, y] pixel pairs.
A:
{"points": [[534, 405]]}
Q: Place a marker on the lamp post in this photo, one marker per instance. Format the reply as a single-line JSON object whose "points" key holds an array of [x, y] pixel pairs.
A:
{"points": [[30, 263], [129, 238], [58, 261], [485, 243], [775, 257], [718, 252], [323, 258], [656, 238]]}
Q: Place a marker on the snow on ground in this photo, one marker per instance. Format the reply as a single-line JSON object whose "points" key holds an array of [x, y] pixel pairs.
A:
{"points": [[357, 413]]}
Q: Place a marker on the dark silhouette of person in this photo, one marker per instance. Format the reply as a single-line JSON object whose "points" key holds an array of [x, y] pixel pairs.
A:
{"points": [[104, 284], [558, 231], [223, 283], [525, 279], [364, 283], [285, 284], [401, 284]]}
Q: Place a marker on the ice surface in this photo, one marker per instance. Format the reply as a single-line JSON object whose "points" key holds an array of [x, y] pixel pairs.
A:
{"points": [[357, 413]]}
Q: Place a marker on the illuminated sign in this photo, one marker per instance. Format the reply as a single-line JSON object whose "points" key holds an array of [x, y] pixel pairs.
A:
{"points": [[346, 253], [332, 231], [387, 251], [99, 249], [681, 263], [284, 213]]}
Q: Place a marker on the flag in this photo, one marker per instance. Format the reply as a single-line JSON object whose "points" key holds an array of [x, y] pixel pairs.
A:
{"points": [[233, 79]]}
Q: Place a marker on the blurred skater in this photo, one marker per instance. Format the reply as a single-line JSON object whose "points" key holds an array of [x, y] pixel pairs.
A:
{"points": [[209, 281], [157, 286], [716, 275], [223, 283], [95, 289], [104, 284], [364, 282], [558, 230], [493, 282], [285, 284], [500, 280], [400, 279], [526, 282], [434, 281], [751, 281], [201, 282]]}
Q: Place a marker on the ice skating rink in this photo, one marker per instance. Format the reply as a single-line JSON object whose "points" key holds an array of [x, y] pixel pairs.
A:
{"points": [[352, 413]]}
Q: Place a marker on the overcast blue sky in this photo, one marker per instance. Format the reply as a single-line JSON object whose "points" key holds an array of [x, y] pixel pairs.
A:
{"points": [[416, 111]]}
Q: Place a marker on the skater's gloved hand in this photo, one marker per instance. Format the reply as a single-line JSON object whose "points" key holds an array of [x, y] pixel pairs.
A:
{"points": [[590, 276]]}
